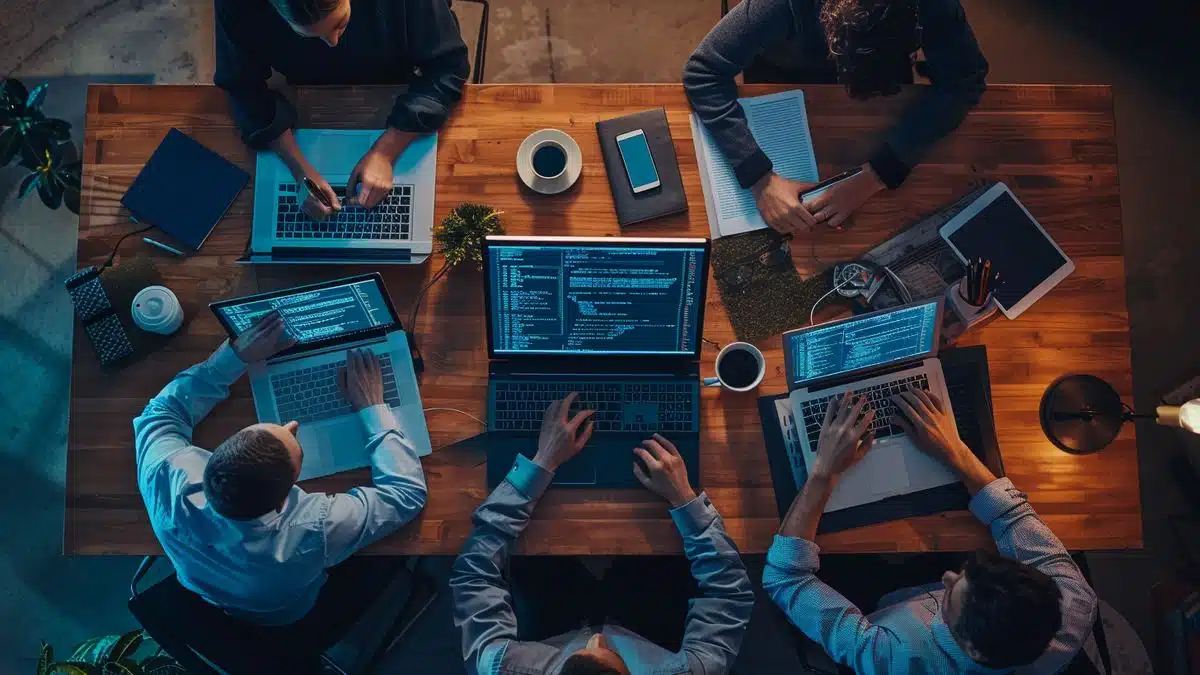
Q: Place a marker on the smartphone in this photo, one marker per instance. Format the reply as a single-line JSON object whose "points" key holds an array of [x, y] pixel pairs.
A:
{"points": [[816, 190], [639, 164]]}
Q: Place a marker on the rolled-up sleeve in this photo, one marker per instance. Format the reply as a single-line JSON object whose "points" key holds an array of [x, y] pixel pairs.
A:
{"points": [[397, 493], [261, 114], [440, 56]]}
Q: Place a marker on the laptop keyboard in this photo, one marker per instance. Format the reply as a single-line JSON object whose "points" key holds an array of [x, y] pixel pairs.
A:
{"points": [[390, 220], [619, 406], [312, 394], [813, 412]]}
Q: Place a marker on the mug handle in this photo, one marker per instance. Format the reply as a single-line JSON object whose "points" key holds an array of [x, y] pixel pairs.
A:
{"points": [[711, 382]]}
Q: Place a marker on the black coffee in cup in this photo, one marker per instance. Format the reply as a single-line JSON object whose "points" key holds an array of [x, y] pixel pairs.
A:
{"points": [[549, 160], [738, 368]]}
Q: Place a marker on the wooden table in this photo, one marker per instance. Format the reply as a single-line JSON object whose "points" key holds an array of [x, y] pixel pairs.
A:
{"points": [[1054, 145]]}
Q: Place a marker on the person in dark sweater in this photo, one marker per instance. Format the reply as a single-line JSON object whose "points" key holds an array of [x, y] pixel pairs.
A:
{"points": [[413, 42], [868, 46]]}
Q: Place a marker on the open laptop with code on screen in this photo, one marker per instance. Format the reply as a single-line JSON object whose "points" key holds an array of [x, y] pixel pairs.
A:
{"points": [[876, 355], [616, 319]]}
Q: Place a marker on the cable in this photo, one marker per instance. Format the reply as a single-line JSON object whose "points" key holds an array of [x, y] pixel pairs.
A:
{"points": [[812, 312], [460, 412], [112, 256]]}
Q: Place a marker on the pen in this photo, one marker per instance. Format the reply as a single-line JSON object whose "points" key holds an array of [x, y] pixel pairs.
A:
{"points": [[984, 280], [159, 244], [316, 192]]}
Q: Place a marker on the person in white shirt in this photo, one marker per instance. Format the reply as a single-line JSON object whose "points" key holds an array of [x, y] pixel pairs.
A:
{"points": [[239, 531]]}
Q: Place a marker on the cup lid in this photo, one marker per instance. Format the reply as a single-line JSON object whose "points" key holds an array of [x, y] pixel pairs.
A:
{"points": [[155, 305]]}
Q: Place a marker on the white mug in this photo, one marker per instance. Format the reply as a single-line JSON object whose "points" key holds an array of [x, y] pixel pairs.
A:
{"points": [[732, 347], [156, 309]]}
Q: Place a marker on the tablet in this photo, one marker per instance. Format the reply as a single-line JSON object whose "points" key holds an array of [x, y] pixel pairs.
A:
{"points": [[997, 227]]}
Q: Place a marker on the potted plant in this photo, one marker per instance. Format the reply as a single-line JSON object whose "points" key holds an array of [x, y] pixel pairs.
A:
{"points": [[460, 237], [40, 144], [129, 654]]}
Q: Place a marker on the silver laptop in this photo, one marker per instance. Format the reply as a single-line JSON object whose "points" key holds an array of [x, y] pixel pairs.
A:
{"points": [[299, 384], [876, 355], [397, 231]]}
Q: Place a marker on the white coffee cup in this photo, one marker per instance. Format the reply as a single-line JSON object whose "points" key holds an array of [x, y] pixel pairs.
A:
{"points": [[156, 309], [731, 348]]}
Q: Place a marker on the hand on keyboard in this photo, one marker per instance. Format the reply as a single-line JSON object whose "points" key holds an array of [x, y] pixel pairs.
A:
{"points": [[923, 417], [266, 338], [361, 380], [313, 206], [846, 435], [371, 180], [561, 438], [665, 473]]}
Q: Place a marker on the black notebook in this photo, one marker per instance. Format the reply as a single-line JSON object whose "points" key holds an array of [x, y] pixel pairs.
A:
{"points": [[184, 190], [666, 199], [967, 381]]}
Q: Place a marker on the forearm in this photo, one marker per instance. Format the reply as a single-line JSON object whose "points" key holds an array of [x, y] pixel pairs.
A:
{"points": [[971, 471], [288, 150], [804, 515]]}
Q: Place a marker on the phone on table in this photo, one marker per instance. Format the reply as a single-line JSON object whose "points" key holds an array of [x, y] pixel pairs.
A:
{"points": [[639, 163], [816, 190]]}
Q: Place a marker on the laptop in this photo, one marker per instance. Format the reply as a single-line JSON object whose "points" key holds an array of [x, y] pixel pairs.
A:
{"points": [[618, 320], [397, 231], [327, 319], [878, 355]]}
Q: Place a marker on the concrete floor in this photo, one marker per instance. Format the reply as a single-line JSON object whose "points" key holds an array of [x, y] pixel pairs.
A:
{"points": [[46, 596]]}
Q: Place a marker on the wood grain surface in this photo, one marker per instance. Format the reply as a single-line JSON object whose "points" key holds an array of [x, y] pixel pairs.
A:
{"points": [[1054, 145]]}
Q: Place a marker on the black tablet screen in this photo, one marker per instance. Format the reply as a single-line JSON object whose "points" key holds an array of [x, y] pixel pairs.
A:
{"points": [[1022, 255]]}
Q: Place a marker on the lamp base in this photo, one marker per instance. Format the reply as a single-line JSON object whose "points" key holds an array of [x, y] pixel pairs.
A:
{"points": [[1081, 414]]}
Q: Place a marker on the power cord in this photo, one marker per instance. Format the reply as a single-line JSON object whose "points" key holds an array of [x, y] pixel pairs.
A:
{"points": [[456, 410], [813, 312], [113, 256]]}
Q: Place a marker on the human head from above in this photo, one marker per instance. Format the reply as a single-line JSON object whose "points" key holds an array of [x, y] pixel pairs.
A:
{"points": [[1002, 613], [596, 658], [252, 472], [872, 42], [323, 19]]}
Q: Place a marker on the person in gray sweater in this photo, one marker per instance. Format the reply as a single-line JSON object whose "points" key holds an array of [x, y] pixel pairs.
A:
{"points": [[867, 45]]}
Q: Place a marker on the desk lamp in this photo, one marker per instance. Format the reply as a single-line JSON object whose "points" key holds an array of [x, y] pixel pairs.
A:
{"points": [[1082, 414]]}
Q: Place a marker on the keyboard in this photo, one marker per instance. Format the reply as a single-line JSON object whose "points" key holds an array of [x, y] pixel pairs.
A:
{"points": [[390, 220], [813, 412], [312, 394], [620, 406]]}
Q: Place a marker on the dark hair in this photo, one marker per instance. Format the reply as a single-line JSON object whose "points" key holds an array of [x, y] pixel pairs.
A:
{"points": [[872, 43], [582, 664], [304, 12], [1011, 611], [248, 475]]}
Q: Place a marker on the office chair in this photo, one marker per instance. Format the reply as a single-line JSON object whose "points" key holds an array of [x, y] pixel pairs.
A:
{"points": [[207, 641], [480, 42]]}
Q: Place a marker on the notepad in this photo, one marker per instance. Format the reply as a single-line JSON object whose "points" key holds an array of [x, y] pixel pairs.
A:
{"points": [[779, 123]]}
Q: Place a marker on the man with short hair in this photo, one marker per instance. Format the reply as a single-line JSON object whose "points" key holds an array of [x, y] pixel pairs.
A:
{"points": [[712, 625], [239, 531], [1027, 607]]}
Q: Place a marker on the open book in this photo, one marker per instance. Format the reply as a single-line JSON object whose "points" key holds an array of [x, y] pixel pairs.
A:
{"points": [[779, 123]]}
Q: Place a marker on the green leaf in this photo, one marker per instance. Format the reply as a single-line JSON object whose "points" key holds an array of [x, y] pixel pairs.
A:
{"points": [[93, 651], [45, 659], [13, 93], [128, 643], [71, 197], [29, 184], [161, 664], [52, 196], [37, 96], [123, 667], [74, 668], [33, 154], [56, 129], [8, 145]]}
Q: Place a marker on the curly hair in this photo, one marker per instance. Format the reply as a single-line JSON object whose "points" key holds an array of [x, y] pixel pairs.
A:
{"points": [[872, 42]]}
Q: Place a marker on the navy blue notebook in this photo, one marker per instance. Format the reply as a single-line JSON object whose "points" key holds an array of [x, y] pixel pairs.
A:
{"points": [[184, 190], [967, 380]]}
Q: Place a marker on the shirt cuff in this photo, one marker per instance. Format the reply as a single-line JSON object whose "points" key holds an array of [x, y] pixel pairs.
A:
{"points": [[888, 166], [996, 499], [528, 477], [378, 419], [797, 555], [695, 516], [753, 168], [226, 363]]}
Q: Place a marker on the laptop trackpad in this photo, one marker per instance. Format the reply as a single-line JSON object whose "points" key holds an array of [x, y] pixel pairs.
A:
{"points": [[581, 470]]}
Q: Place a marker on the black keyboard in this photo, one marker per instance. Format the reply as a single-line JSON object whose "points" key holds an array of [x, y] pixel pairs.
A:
{"points": [[813, 412], [312, 394], [519, 405], [390, 220]]}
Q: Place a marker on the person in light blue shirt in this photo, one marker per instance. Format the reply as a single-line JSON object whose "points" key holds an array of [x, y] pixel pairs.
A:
{"points": [[1027, 609], [483, 606], [240, 533]]}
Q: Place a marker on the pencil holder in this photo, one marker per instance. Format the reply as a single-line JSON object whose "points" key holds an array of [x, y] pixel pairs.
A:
{"points": [[969, 314]]}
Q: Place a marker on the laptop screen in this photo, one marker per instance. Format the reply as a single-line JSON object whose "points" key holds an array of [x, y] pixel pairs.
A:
{"points": [[562, 296], [318, 313], [861, 343]]}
